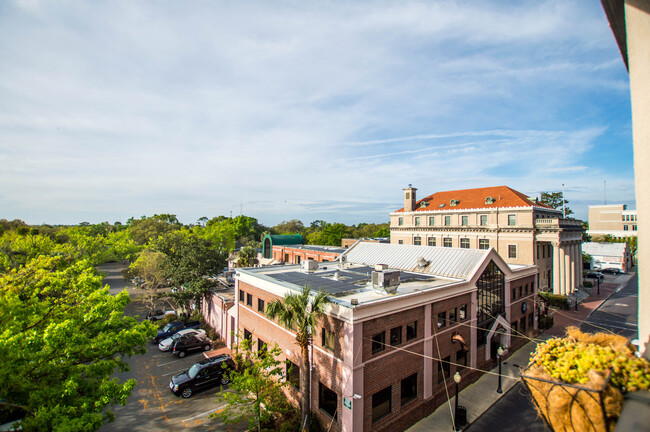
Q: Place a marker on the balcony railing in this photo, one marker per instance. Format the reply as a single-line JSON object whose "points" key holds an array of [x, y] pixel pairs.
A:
{"points": [[558, 223]]}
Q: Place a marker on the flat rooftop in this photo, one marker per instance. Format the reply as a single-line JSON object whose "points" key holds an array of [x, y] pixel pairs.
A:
{"points": [[315, 248]]}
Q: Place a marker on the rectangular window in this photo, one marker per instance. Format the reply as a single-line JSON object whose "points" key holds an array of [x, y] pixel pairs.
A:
{"points": [[417, 241], [513, 294], [417, 221], [378, 342], [446, 242], [260, 305], [633, 227], [242, 296], [512, 251], [248, 335], [461, 358], [462, 313], [328, 400], [442, 319], [625, 227], [452, 316], [261, 346], [483, 243], [396, 336], [400, 241], [447, 220], [431, 241], [381, 404], [411, 330], [409, 389], [512, 219], [484, 220], [432, 220], [522, 324], [400, 221], [521, 293], [293, 374], [328, 339], [249, 300], [464, 220], [464, 243], [531, 319]]}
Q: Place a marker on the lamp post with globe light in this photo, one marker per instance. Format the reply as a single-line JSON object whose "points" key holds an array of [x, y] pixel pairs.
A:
{"points": [[500, 353]]}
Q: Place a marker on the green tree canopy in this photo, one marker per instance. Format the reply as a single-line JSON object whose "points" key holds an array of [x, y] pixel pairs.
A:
{"points": [[554, 200], [62, 338], [146, 229]]}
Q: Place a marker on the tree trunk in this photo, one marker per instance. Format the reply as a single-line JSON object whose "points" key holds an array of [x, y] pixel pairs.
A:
{"points": [[305, 385]]}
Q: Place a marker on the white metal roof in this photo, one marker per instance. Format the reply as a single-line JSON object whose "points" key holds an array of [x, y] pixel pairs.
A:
{"points": [[608, 249], [442, 261]]}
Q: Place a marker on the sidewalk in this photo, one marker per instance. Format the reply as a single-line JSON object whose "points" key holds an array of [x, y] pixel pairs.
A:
{"points": [[481, 395]]}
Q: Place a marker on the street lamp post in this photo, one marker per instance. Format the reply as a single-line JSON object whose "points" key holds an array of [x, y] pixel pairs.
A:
{"points": [[456, 422], [598, 279], [500, 352]]}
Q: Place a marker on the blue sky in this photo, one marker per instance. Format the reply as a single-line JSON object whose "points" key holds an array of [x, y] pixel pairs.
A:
{"points": [[303, 110]]}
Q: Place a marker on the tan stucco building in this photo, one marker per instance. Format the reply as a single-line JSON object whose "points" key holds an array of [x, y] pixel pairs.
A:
{"points": [[613, 219], [521, 230]]}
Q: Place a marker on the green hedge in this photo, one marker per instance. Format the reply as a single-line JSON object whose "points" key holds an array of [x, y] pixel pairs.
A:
{"points": [[556, 300], [587, 284], [545, 322]]}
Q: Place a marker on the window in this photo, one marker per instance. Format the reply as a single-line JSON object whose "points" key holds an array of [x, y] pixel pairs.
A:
{"points": [[297, 259], [417, 241], [633, 227], [293, 374], [242, 296], [442, 319], [444, 369], [417, 221], [483, 243], [522, 324], [464, 243], [260, 305], [484, 220], [400, 241], [446, 242], [409, 389], [328, 400], [400, 221], [396, 336], [462, 313], [513, 294], [521, 291], [432, 220], [452, 316], [261, 346], [249, 300], [381, 404], [447, 220], [431, 241], [328, 339], [411, 330], [490, 292], [512, 251], [464, 220], [378, 342], [248, 335], [286, 257], [625, 227], [512, 219], [461, 358]]}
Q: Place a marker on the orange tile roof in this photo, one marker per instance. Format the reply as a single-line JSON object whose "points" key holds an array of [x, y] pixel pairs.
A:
{"points": [[475, 199]]}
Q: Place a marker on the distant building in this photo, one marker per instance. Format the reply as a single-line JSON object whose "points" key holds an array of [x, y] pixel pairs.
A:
{"points": [[522, 230], [609, 255], [347, 242], [614, 219], [402, 320], [289, 249]]}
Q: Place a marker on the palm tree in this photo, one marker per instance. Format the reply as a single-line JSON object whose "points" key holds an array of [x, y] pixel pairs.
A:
{"points": [[300, 313], [247, 256]]}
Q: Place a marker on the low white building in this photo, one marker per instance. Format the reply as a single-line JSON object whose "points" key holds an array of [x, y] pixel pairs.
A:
{"points": [[609, 255]]}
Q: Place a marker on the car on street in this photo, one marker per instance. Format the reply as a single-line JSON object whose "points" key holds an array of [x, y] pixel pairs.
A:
{"points": [[159, 314], [188, 343], [208, 373], [166, 344], [595, 275], [172, 328], [611, 270]]}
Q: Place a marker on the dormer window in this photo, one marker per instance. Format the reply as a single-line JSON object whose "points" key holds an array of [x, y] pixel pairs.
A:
{"points": [[423, 204], [489, 200], [454, 202]]}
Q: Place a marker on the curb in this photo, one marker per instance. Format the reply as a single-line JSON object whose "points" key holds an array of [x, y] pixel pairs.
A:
{"points": [[611, 294]]}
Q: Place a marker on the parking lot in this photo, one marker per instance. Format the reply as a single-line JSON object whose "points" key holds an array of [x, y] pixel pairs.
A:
{"points": [[152, 406]]}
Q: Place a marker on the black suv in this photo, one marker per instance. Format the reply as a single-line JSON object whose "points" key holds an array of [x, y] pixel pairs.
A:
{"points": [[202, 375], [190, 342]]}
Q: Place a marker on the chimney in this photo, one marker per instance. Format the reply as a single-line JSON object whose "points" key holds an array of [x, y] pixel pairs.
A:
{"points": [[409, 198]]}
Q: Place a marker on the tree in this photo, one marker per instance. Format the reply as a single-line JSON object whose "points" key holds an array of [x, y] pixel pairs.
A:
{"points": [[255, 392], [151, 269], [62, 338], [300, 313], [247, 257], [146, 229], [294, 226], [554, 200]]}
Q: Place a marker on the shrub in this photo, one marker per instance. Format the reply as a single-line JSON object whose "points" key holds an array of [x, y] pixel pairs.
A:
{"points": [[588, 284], [545, 322], [556, 300], [169, 318]]}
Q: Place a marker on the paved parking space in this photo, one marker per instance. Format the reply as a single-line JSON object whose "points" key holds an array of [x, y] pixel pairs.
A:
{"points": [[152, 406]]}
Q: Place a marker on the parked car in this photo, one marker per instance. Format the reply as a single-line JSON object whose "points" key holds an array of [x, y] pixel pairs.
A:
{"points": [[208, 373], [611, 270], [159, 314], [595, 275], [166, 344], [172, 328], [189, 343]]}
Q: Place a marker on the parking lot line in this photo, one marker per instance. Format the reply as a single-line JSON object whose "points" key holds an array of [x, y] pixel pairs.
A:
{"points": [[177, 360], [175, 372], [204, 414]]}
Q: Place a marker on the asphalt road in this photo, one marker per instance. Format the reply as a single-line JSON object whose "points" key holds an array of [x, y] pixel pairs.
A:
{"points": [[152, 406], [514, 411]]}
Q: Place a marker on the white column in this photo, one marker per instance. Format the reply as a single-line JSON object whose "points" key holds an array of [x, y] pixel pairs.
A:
{"points": [[561, 268], [566, 271], [572, 267], [578, 255], [556, 268]]}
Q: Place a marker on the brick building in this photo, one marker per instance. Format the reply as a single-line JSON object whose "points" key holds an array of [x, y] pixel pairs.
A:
{"points": [[522, 230], [402, 320]]}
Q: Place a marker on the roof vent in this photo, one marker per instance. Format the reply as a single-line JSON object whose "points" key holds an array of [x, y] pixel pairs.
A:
{"points": [[380, 267], [422, 262], [423, 204], [454, 202], [489, 200], [354, 301], [441, 205]]}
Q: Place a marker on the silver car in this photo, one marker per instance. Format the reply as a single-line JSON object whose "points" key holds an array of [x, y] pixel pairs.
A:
{"points": [[166, 344]]}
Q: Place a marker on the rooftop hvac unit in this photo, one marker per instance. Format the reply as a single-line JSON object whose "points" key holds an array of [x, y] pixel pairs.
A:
{"points": [[386, 279], [310, 265]]}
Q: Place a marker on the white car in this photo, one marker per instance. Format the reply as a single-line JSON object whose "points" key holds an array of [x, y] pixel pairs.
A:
{"points": [[166, 344]]}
